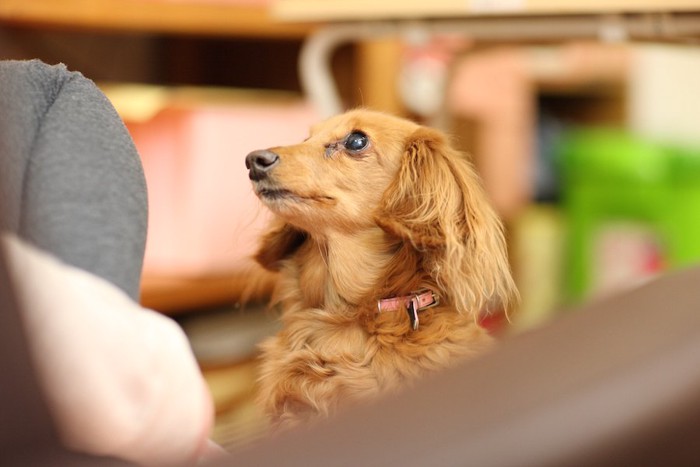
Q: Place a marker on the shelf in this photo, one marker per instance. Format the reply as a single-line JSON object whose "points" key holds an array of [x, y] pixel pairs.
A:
{"points": [[340, 10], [154, 16], [177, 294]]}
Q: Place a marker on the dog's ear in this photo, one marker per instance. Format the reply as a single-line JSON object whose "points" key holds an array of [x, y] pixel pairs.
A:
{"points": [[436, 196], [279, 243], [436, 202]]}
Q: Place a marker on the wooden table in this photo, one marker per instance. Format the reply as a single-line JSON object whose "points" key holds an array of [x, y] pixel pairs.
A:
{"points": [[481, 20]]}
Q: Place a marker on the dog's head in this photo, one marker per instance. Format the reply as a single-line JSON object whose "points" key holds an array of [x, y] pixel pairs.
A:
{"points": [[336, 177], [363, 169]]}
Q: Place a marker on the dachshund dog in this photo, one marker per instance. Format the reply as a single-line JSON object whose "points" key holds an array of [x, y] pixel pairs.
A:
{"points": [[386, 250]]}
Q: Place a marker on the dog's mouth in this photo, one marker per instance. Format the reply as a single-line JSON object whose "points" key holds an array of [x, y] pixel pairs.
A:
{"points": [[272, 194], [269, 194]]}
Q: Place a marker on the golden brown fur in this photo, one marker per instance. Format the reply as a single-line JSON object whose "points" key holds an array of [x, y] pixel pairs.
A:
{"points": [[405, 213]]}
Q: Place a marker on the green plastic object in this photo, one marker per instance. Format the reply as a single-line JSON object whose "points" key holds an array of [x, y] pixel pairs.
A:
{"points": [[632, 209]]}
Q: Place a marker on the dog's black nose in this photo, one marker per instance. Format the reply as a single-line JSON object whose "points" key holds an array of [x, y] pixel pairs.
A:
{"points": [[260, 162]]}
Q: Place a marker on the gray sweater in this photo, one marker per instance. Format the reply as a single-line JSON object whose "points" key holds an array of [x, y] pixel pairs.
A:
{"points": [[71, 181]]}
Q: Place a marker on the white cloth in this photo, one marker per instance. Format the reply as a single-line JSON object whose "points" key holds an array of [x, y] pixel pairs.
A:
{"points": [[120, 380]]}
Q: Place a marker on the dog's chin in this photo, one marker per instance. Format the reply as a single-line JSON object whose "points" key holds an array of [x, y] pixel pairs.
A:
{"points": [[277, 196]]}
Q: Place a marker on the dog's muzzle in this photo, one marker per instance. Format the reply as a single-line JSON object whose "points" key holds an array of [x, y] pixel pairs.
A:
{"points": [[260, 162]]}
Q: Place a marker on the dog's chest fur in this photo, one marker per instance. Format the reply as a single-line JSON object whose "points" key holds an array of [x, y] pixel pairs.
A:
{"points": [[335, 347]]}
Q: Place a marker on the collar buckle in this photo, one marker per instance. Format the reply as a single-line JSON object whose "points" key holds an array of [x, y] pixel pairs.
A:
{"points": [[417, 301]]}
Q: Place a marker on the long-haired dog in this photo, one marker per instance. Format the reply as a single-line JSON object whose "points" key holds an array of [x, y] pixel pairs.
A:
{"points": [[387, 251]]}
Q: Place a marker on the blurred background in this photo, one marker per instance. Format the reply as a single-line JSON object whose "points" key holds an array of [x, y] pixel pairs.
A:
{"points": [[580, 118]]}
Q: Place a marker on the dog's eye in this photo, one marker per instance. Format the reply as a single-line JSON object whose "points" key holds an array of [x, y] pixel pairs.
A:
{"points": [[356, 141]]}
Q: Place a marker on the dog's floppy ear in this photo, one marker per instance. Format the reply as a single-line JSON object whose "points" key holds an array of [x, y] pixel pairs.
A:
{"points": [[280, 242], [437, 203]]}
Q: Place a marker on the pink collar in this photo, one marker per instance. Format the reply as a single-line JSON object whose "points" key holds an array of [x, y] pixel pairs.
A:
{"points": [[413, 303]]}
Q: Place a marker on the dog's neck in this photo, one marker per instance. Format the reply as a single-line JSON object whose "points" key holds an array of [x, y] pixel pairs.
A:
{"points": [[345, 268]]}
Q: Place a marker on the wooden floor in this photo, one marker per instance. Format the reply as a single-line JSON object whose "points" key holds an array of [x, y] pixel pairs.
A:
{"points": [[238, 419], [225, 343]]}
